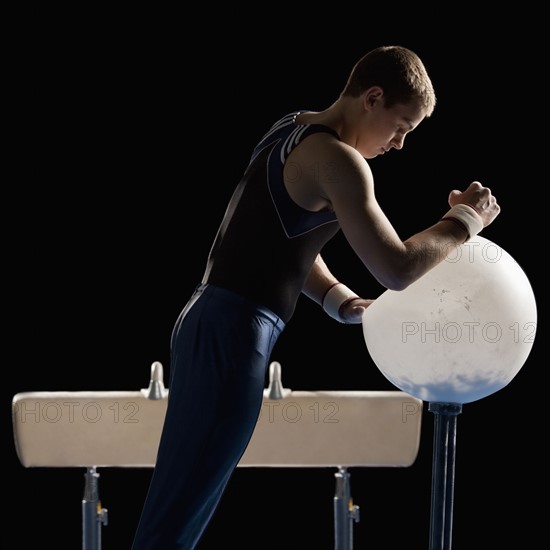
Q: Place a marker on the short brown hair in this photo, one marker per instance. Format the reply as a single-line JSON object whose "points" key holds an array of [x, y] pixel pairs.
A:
{"points": [[398, 71]]}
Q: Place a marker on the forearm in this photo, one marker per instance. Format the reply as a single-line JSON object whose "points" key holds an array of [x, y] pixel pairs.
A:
{"points": [[320, 280], [429, 247]]}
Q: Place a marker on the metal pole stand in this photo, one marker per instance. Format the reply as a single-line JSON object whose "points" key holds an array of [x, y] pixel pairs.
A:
{"points": [[345, 512], [443, 474], [93, 515]]}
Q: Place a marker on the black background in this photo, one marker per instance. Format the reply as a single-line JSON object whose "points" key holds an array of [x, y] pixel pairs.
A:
{"points": [[131, 130]]}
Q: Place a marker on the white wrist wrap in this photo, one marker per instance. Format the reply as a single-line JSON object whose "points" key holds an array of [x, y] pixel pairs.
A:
{"points": [[467, 216], [335, 298]]}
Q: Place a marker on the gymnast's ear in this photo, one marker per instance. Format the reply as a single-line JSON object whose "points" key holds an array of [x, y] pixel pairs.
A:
{"points": [[373, 95]]}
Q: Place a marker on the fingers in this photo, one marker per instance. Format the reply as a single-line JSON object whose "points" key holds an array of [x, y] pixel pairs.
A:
{"points": [[480, 198], [353, 315], [475, 194], [453, 195]]}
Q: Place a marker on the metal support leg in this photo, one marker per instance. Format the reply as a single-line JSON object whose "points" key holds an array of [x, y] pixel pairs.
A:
{"points": [[345, 512], [93, 515], [443, 474]]}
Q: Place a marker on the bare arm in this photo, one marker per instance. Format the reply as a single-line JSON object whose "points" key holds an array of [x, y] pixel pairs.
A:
{"points": [[347, 183]]}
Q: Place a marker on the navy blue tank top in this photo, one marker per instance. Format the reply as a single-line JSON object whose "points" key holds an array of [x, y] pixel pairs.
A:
{"points": [[266, 243]]}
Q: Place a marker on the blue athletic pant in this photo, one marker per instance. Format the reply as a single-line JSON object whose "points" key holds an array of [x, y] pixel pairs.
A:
{"points": [[220, 349]]}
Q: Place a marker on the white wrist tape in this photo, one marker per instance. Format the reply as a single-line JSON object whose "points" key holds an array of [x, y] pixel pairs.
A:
{"points": [[336, 297], [467, 216]]}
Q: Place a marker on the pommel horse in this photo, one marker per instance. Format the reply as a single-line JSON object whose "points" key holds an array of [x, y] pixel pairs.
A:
{"points": [[305, 429]]}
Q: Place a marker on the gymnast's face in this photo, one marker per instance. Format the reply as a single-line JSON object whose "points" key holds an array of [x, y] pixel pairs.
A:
{"points": [[384, 128]]}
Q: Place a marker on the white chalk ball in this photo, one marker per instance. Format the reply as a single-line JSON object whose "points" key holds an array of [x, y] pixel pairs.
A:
{"points": [[461, 332]]}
